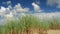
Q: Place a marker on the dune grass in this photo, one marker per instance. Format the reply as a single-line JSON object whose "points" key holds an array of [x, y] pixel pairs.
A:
{"points": [[25, 24]]}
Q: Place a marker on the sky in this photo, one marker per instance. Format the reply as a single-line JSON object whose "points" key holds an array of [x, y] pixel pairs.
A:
{"points": [[46, 5], [41, 8]]}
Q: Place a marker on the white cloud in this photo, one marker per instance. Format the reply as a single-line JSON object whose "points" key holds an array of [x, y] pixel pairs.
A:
{"points": [[3, 9], [10, 7], [52, 2], [36, 7], [10, 11], [9, 15], [19, 8]]}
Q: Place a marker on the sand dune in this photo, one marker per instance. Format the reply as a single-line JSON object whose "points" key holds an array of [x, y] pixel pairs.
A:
{"points": [[53, 32]]}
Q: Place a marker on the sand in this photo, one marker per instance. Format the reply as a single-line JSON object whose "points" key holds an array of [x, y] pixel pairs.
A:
{"points": [[53, 31]]}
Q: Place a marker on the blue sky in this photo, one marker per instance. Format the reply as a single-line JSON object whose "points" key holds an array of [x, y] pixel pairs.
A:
{"points": [[28, 3]]}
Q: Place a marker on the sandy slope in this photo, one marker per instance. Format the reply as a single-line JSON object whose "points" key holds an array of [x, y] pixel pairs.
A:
{"points": [[53, 32]]}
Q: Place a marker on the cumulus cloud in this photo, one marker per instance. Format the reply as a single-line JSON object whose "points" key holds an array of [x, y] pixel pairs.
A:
{"points": [[52, 2], [16, 9], [10, 7], [9, 15], [3, 9], [10, 11], [19, 8], [36, 7]]}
